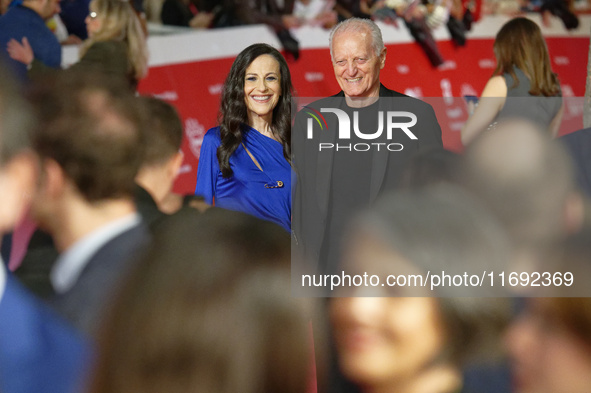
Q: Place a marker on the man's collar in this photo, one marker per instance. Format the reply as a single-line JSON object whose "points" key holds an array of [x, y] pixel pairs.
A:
{"points": [[72, 262], [384, 92], [2, 278], [15, 3]]}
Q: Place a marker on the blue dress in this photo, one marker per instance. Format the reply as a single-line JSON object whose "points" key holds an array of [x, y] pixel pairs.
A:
{"points": [[249, 189]]}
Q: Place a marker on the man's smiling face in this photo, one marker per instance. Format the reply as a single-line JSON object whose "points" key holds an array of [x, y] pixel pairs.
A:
{"points": [[356, 64]]}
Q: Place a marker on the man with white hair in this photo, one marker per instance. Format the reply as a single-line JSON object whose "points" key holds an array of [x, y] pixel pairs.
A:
{"points": [[345, 167]]}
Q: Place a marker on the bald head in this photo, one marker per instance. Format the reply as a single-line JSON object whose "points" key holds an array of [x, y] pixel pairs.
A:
{"points": [[524, 176], [515, 151]]}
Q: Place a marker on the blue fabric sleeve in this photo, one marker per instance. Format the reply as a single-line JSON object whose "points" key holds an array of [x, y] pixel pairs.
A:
{"points": [[38, 351], [208, 167]]}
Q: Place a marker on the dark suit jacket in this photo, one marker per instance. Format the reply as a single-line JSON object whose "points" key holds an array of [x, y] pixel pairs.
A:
{"points": [[35, 268], [38, 352], [314, 168], [147, 208], [84, 303], [578, 144]]}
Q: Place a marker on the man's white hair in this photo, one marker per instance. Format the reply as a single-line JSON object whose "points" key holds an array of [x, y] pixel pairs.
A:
{"points": [[359, 25]]}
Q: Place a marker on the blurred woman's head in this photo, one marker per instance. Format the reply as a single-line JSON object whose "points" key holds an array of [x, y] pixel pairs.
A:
{"points": [[208, 309], [236, 104], [520, 44], [550, 346], [549, 343], [407, 342], [115, 20]]}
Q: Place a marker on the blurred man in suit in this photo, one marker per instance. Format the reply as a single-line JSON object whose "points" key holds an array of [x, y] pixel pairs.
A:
{"points": [[38, 351], [91, 145], [163, 131]]}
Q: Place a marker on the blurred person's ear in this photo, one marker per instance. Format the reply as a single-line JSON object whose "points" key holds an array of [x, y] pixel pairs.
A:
{"points": [[17, 184], [574, 213], [53, 179], [174, 164], [49, 8]]}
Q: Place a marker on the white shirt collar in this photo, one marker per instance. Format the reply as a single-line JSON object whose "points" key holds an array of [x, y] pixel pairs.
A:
{"points": [[2, 278], [71, 262]]}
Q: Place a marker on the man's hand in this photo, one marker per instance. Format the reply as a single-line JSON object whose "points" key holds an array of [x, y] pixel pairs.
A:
{"points": [[20, 51], [72, 40], [202, 20], [291, 21]]}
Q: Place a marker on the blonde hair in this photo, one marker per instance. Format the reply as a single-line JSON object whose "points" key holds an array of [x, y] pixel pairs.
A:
{"points": [[121, 23], [520, 44]]}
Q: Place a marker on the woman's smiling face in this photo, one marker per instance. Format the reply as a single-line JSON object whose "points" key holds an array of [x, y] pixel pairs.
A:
{"points": [[262, 86]]}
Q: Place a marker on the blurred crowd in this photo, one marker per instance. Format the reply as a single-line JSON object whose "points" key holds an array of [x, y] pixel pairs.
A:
{"points": [[111, 282], [141, 294], [420, 17]]}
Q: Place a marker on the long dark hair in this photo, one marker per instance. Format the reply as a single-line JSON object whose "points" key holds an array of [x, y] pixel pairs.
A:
{"points": [[520, 44], [233, 112]]}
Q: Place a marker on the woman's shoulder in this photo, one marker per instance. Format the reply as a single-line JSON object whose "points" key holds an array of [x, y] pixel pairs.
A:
{"points": [[497, 79], [109, 46], [212, 136], [112, 53], [495, 87], [106, 56]]}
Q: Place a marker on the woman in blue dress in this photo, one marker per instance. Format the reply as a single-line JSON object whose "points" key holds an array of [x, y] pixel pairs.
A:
{"points": [[244, 163]]}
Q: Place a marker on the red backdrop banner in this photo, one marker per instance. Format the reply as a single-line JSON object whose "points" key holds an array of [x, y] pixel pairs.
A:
{"points": [[194, 86]]}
